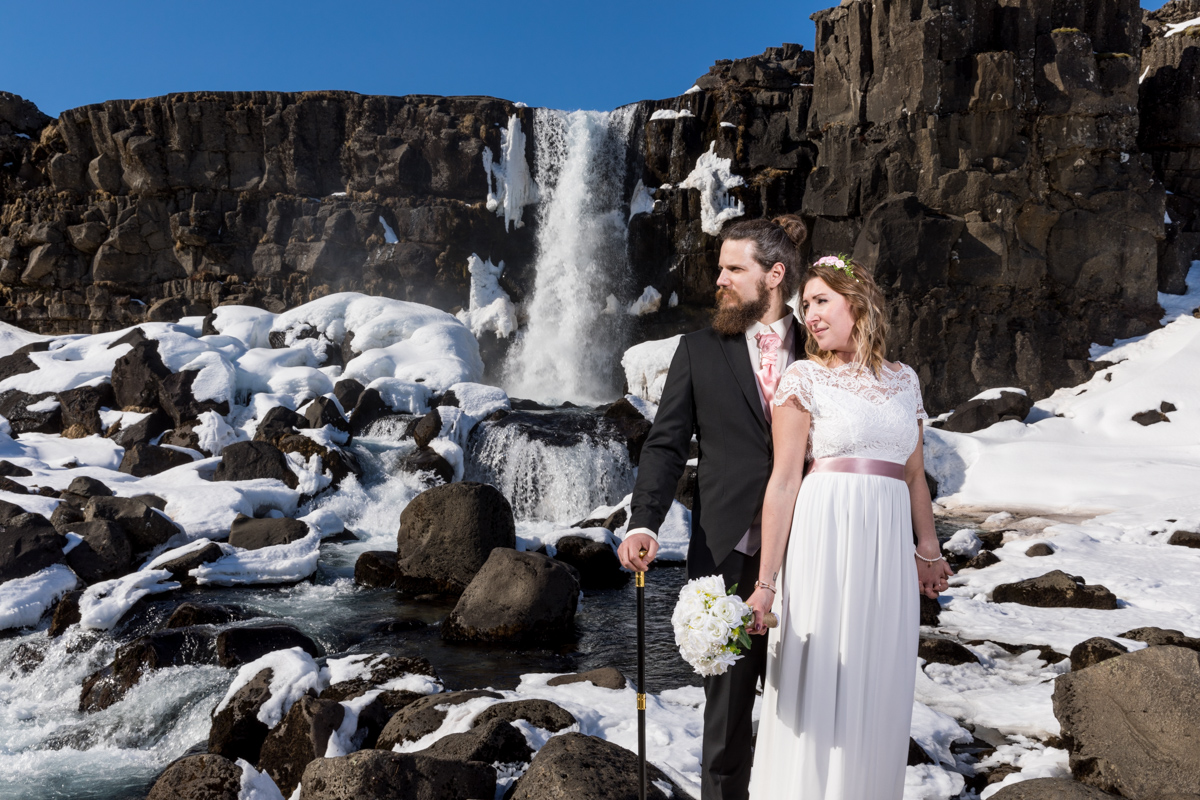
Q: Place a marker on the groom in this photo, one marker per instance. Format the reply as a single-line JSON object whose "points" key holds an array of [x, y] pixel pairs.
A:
{"points": [[719, 388]]}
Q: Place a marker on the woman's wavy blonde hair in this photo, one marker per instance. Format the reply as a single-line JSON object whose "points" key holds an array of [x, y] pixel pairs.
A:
{"points": [[855, 283]]}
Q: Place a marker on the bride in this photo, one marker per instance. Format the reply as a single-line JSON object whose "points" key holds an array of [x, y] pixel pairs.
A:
{"points": [[837, 702]]}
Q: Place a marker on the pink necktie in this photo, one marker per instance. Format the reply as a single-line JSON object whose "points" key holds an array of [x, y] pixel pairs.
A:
{"points": [[768, 375]]}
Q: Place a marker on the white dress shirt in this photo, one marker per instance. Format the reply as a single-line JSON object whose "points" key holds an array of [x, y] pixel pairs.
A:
{"points": [[783, 326]]}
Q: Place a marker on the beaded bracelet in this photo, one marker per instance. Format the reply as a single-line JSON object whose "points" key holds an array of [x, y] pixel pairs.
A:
{"points": [[929, 560], [765, 585]]}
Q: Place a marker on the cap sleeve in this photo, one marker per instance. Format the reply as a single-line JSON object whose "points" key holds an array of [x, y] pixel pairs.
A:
{"points": [[795, 388], [915, 382]]}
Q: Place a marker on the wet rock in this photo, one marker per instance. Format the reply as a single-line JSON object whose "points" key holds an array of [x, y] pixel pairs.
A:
{"points": [[1129, 723], [1093, 651], [80, 407], [944, 651], [181, 566], [28, 543], [146, 527], [1040, 549], [168, 648], [369, 409], [377, 775], [30, 413], [604, 677], [1162, 636], [236, 731], [255, 534], [587, 768], [104, 553], [539, 713], [302, 736], [423, 717], [390, 701], [141, 432], [280, 421], [596, 562], [348, 391], [427, 429], [339, 463], [516, 597], [1055, 589], [1049, 789], [1185, 539], [136, 375], [991, 539], [376, 569], [149, 459], [630, 426], [66, 614], [447, 533], [237, 646], [975, 415], [491, 742], [244, 461], [930, 610], [200, 777], [322, 411], [984, 559], [427, 460], [187, 614]]}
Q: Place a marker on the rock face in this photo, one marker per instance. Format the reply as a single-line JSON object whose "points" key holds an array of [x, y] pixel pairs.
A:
{"points": [[236, 731], [1130, 723], [147, 527], [1050, 789], [300, 737], [516, 597], [423, 717], [28, 543], [243, 461], [447, 533], [168, 648], [237, 646], [1055, 589], [201, 777], [586, 768], [254, 534]]}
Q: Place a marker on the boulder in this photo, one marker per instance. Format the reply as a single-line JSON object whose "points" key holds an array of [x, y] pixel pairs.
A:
{"points": [[587, 768], [181, 567], [175, 396], [427, 429], [380, 775], [347, 391], [169, 648], [596, 562], [323, 411], [930, 610], [141, 432], [917, 754], [31, 413], [15, 364], [944, 651], [604, 677], [376, 569], [975, 415], [1050, 789], [424, 716], [447, 533], [390, 701], [10, 510], [431, 462], [982, 560], [1162, 636], [1185, 539], [279, 421], [200, 777], [1093, 651], [539, 713], [88, 488], [630, 426], [255, 534], [147, 528], [516, 597], [491, 742], [245, 461], [236, 731], [1040, 549], [301, 736], [104, 553], [686, 488], [28, 543], [1130, 723], [991, 539], [11, 470], [150, 459], [369, 408], [66, 614], [81, 406], [1055, 589], [9, 485], [237, 646], [187, 614], [339, 463], [136, 375]]}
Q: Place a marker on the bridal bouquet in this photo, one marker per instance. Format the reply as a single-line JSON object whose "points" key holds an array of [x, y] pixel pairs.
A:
{"points": [[710, 625]]}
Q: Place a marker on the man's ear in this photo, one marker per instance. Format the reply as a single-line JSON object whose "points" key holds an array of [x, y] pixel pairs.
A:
{"points": [[775, 274]]}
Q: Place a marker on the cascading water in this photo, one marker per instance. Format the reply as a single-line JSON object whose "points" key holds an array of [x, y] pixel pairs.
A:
{"points": [[574, 335]]}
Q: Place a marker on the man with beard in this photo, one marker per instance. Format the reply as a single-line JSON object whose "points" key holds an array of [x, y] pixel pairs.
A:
{"points": [[719, 388]]}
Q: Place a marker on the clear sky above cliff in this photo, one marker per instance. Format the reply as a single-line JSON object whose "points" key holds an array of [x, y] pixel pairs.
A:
{"points": [[556, 54]]}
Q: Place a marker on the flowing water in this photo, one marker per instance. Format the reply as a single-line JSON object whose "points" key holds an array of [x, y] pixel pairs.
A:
{"points": [[574, 338]]}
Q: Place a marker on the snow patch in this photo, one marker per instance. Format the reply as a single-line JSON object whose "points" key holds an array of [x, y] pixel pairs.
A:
{"points": [[23, 601], [648, 303], [491, 309], [713, 178], [646, 367]]}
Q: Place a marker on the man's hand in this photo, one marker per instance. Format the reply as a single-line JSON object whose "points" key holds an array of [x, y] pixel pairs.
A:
{"points": [[630, 552]]}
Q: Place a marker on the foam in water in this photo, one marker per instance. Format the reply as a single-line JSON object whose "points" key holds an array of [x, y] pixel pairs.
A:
{"points": [[568, 350]]}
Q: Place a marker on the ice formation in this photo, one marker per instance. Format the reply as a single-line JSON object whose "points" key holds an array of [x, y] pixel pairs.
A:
{"points": [[510, 184], [490, 308], [646, 366], [713, 178], [647, 303]]}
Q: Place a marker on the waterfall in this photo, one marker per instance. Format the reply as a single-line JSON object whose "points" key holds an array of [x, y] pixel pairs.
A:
{"points": [[554, 467], [574, 336]]}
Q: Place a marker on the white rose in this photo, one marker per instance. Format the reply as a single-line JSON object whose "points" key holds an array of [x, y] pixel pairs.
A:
{"points": [[715, 630], [729, 610]]}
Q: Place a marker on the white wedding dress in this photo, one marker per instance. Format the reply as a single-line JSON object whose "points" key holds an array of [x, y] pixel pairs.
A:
{"points": [[837, 703]]}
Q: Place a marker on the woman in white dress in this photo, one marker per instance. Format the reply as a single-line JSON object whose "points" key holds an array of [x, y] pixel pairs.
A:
{"points": [[846, 494]]}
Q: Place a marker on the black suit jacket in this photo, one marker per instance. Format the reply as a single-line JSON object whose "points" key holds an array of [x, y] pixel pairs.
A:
{"points": [[711, 392]]}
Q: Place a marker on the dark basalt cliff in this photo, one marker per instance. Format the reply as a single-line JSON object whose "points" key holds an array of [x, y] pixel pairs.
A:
{"points": [[996, 162]]}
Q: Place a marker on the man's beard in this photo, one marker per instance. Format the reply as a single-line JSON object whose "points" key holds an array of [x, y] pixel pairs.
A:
{"points": [[732, 320]]}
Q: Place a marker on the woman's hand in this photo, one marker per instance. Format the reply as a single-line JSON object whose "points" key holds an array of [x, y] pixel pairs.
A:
{"points": [[933, 577], [760, 603]]}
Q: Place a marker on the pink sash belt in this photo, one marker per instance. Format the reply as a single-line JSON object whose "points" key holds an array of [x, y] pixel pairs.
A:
{"points": [[859, 466]]}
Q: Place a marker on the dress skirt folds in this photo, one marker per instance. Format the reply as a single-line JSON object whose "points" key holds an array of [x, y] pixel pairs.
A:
{"points": [[837, 704]]}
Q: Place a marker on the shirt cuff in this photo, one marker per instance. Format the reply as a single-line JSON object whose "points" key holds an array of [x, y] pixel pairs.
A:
{"points": [[646, 531]]}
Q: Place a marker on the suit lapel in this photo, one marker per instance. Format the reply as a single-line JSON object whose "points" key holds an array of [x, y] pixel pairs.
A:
{"points": [[738, 357]]}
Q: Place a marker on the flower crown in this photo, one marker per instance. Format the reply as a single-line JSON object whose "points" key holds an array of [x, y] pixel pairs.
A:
{"points": [[838, 262]]}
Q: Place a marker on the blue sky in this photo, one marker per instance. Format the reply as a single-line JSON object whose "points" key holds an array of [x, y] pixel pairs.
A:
{"points": [[556, 54]]}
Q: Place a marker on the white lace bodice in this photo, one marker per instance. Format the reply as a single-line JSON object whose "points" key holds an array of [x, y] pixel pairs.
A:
{"points": [[853, 412]]}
